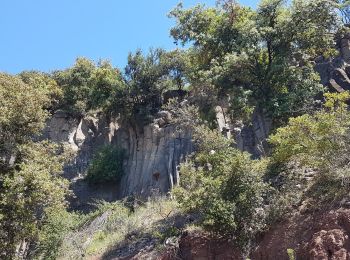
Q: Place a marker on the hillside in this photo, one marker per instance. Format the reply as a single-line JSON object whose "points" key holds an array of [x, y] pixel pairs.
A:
{"points": [[234, 146]]}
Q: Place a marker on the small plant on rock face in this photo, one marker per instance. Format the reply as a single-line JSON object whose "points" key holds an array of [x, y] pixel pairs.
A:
{"points": [[106, 166], [291, 254]]}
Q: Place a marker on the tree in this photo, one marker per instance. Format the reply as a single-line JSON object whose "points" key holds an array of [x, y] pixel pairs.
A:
{"points": [[29, 172], [46, 84], [314, 25], [87, 86], [148, 77], [22, 114], [212, 31], [28, 191], [259, 58]]}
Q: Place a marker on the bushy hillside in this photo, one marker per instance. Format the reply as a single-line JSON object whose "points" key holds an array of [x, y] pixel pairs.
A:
{"points": [[244, 61]]}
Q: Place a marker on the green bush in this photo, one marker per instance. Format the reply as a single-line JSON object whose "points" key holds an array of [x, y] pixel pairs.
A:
{"points": [[28, 192], [309, 161], [88, 86], [107, 165], [56, 226], [226, 187], [291, 254]]}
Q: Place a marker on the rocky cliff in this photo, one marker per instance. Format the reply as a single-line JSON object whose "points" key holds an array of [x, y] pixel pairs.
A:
{"points": [[153, 153], [334, 73]]}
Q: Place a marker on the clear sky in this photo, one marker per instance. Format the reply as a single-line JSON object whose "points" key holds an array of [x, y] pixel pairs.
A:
{"points": [[49, 34]]}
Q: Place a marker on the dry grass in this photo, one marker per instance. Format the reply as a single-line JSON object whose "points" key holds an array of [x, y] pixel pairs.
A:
{"points": [[115, 231]]}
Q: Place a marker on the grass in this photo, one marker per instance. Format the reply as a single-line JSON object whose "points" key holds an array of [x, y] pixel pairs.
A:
{"points": [[114, 230]]}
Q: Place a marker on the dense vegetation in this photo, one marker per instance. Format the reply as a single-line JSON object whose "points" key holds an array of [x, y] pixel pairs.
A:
{"points": [[30, 180], [226, 186], [256, 60]]}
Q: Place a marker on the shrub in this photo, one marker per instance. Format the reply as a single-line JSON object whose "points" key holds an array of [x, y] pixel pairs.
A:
{"points": [[319, 141], [107, 165], [226, 187], [291, 254], [28, 192], [57, 224]]}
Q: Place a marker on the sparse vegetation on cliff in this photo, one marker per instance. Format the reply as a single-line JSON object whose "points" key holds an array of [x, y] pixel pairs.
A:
{"points": [[106, 166]]}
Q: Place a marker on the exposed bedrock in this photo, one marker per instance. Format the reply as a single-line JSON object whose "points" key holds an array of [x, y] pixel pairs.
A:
{"points": [[153, 153], [335, 73], [251, 137]]}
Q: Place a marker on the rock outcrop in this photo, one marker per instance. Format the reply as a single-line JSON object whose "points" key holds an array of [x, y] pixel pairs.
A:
{"points": [[153, 153], [308, 236], [317, 235], [335, 73], [194, 245], [251, 137]]}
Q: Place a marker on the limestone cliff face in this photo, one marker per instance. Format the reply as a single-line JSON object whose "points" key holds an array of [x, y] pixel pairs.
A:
{"points": [[153, 153]]}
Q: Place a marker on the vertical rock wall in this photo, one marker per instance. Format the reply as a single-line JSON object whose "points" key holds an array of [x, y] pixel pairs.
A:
{"points": [[153, 154]]}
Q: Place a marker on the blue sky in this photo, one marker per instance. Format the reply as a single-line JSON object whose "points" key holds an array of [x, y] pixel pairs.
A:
{"points": [[47, 35]]}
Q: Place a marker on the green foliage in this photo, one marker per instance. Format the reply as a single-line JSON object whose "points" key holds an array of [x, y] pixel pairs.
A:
{"points": [[88, 86], [29, 190], [46, 84], [213, 31], [75, 85], [148, 77], [259, 58], [315, 140], [291, 254], [22, 110], [167, 233], [225, 186], [319, 141], [106, 166], [31, 183], [314, 24], [112, 226], [238, 196], [56, 225], [59, 226], [136, 93]]}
